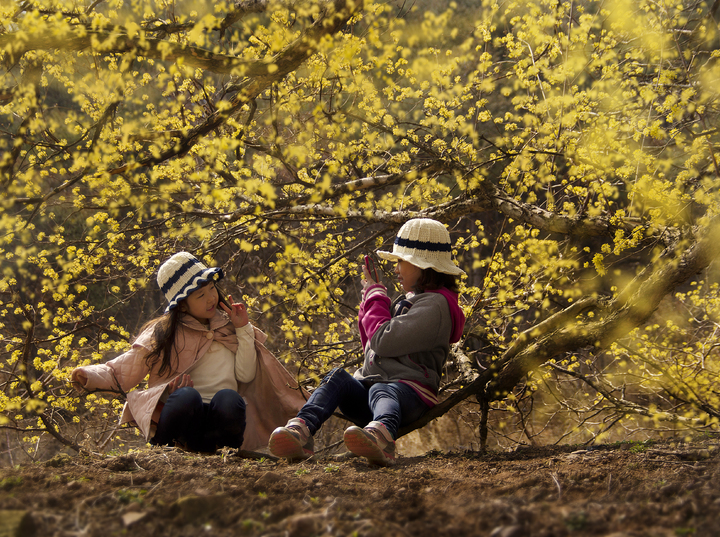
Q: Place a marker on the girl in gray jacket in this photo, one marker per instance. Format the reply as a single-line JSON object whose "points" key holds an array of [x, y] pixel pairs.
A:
{"points": [[406, 343]]}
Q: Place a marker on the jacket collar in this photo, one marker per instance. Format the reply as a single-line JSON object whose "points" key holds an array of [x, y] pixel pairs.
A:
{"points": [[219, 320]]}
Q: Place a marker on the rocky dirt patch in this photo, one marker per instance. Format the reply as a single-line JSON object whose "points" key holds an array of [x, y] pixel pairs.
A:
{"points": [[619, 490]]}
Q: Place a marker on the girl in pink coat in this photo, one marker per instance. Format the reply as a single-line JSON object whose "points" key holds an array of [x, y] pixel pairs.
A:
{"points": [[212, 383]]}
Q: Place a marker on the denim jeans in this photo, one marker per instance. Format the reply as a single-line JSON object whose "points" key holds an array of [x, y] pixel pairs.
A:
{"points": [[202, 426], [393, 404]]}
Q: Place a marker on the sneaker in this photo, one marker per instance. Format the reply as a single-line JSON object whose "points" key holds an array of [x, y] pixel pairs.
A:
{"points": [[374, 442], [293, 441]]}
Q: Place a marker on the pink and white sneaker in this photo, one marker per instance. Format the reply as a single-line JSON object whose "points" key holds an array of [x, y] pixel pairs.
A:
{"points": [[293, 441], [374, 442]]}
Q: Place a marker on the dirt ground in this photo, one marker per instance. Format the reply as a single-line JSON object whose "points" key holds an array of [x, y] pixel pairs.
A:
{"points": [[619, 490]]}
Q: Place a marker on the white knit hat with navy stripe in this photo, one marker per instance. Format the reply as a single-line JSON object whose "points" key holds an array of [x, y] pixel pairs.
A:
{"points": [[182, 274], [425, 243]]}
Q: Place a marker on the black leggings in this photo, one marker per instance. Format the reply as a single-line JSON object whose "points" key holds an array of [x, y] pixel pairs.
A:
{"points": [[202, 426]]}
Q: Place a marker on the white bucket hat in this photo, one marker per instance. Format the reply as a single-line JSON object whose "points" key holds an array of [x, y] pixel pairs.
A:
{"points": [[426, 244], [182, 274]]}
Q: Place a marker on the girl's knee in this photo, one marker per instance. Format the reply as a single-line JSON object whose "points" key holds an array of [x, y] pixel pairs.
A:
{"points": [[382, 390], [185, 397], [228, 402]]}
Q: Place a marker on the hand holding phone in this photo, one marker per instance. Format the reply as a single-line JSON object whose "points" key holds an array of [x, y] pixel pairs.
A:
{"points": [[371, 270]]}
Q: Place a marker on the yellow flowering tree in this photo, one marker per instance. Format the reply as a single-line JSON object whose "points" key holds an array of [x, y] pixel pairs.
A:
{"points": [[570, 147]]}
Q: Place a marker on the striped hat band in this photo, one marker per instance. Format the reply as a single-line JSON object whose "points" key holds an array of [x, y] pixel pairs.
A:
{"points": [[425, 243]]}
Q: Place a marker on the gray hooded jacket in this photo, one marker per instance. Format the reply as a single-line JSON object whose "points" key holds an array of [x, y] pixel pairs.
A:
{"points": [[410, 345]]}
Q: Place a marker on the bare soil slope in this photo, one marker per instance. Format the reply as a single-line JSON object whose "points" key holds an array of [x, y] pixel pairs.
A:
{"points": [[619, 490]]}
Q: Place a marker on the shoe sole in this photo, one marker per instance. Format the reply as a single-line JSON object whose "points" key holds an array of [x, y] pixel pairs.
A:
{"points": [[284, 444], [357, 441]]}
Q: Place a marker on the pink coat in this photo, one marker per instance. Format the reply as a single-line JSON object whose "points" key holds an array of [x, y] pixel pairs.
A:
{"points": [[272, 397]]}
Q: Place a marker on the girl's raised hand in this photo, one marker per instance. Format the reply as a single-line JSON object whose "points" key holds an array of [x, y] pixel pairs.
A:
{"points": [[237, 313], [367, 279]]}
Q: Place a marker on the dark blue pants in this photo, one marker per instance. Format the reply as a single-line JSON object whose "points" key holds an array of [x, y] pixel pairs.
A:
{"points": [[393, 404], [202, 426]]}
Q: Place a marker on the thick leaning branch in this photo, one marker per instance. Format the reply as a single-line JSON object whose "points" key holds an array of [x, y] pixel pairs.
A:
{"points": [[553, 338], [631, 309]]}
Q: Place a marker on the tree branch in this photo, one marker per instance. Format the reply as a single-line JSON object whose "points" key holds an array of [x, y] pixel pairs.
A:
{"points": [[623, 405], [561, 333]]}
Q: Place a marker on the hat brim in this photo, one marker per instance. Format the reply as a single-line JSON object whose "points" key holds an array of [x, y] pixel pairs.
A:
{"points": [[208, 275], [439, 266]]}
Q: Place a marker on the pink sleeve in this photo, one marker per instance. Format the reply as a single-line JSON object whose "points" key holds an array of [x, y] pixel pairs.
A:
{"points": [[374, 311], [122, 373]]}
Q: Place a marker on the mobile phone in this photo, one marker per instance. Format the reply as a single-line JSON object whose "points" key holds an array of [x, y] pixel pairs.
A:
{"points": [[370, 266]]}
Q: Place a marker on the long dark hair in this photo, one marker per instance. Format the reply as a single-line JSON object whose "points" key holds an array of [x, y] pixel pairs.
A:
{"points": [[430, 280], [165, 328]]}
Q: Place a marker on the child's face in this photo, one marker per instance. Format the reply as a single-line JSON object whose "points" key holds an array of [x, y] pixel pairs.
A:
{"points": [[202, 303], [408, 275]]}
